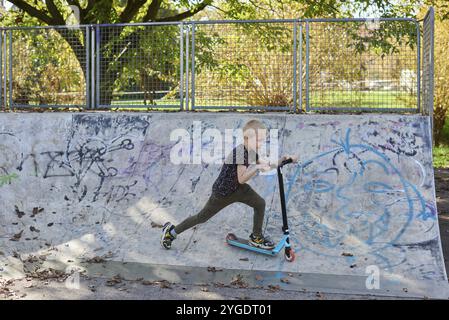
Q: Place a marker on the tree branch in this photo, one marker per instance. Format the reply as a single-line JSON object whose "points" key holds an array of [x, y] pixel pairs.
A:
{"points": [[74, 3], [32, 11], [219, 9], [86, 13], [152, 11], [131, 9], [55, 13], [188, 13], [77, 4], [90, 5]]}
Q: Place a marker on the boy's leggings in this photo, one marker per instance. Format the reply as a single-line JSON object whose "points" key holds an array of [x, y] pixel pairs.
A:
{"points": [[244, 194]]}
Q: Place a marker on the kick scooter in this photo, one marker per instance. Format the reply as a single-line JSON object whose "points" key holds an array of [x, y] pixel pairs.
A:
{"points": [[289, 254]]}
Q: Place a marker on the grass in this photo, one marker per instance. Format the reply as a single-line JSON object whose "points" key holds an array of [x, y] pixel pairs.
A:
{"points": [[441, 152], [328, 98], [174, 104], [441, 157], [318, 98], [365, 99]]}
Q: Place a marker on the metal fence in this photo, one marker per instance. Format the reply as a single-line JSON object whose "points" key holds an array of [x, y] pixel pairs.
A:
{"points": [[428, 64], [297, 65]]}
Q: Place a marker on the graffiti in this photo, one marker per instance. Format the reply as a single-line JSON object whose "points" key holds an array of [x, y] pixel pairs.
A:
{"points": [[90, 157], [400, 140], [92, 145], [117, 193], [360, 200], [90, 150], [362, 187], [8, 178]]}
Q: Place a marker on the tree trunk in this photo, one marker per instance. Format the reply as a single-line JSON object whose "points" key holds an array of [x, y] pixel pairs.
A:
{"points": [[108, 72]]}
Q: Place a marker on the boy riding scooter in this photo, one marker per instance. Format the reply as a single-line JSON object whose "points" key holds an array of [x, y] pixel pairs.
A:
{"points": [[231, 187]]}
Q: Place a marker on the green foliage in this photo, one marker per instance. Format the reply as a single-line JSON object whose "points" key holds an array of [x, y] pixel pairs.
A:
{"points": [[45, 70], [148, 59], [441, 77], [441, 156], [7, 179], [153, 64]]}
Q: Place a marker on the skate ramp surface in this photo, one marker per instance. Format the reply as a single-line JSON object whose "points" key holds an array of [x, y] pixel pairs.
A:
{"points": [[78, 186]]}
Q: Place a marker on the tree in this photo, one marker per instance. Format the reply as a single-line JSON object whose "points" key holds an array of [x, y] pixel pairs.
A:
{"points": [[255, 60], [122, 40], [55, 12], [441, 76]]}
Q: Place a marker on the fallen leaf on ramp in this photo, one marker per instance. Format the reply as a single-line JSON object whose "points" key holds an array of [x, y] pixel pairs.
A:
{"points": [[285, 280], [156, 225], [19, 213], [347, 254], [273, 288], [213, 269], [114, 280], [17, 236], [238, 281]]}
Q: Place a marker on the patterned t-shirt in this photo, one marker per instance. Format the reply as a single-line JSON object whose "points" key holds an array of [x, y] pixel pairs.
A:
{"points": [[227, 181]]}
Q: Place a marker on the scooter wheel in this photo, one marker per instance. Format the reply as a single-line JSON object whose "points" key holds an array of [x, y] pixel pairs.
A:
{"points": [[231, 236], [290, 255]]}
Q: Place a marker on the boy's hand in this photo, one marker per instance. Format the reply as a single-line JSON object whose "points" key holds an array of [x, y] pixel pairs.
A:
{"points": [[293, 157], [263, 167]]}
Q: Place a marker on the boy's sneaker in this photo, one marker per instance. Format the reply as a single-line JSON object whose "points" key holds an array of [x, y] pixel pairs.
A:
{"points": [[261, 242], [167, 237]]}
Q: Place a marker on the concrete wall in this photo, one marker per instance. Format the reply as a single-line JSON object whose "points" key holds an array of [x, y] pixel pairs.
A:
{"points": [[363, 193]]}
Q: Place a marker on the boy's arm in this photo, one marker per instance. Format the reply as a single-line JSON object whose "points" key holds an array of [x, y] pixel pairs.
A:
{"points": [[245, 173], [276, 164]]}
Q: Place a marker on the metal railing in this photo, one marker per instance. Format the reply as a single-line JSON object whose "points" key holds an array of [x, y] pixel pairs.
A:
{"points": [[428, 64], [296, 65]]}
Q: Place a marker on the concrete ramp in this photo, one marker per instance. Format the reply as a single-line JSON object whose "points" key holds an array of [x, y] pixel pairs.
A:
{"points": [[361, 199]]}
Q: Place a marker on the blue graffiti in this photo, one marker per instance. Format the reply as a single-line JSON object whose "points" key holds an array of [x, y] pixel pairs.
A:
{"points": [[368, 226]]}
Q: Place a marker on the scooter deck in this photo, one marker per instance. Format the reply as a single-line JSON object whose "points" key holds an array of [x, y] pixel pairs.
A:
{"points": [[245, 244]]}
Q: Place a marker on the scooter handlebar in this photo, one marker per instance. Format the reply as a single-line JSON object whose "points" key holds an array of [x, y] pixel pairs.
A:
{"points": [[286, 161]]}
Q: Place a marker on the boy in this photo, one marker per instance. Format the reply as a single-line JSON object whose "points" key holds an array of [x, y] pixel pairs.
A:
{"points": [[231, 187]]}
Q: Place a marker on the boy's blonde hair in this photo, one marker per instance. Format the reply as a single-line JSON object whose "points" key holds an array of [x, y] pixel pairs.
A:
{"points": [[254, 126]]}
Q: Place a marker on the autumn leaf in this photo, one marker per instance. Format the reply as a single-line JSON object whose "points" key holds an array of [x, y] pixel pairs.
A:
{"points": [[17, 236]]}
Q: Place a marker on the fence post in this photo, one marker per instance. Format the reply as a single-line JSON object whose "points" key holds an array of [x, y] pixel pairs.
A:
{"points": [[432, 68], [294, 65], [5, 92], [10, 70], [307, 66], [97, 75], [2, 107], [418, 67], [193, 66], [181, 66], [92, 76], [87, 71], [187, 68], [428, 66], [300, 68]]}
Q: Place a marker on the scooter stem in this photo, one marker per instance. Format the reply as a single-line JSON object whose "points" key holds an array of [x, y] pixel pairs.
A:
{"points": [[282, 197]]}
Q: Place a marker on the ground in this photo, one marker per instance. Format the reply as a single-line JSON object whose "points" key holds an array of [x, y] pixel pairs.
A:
{"points": [[105, 289], [53, 286], [442, 195]]}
